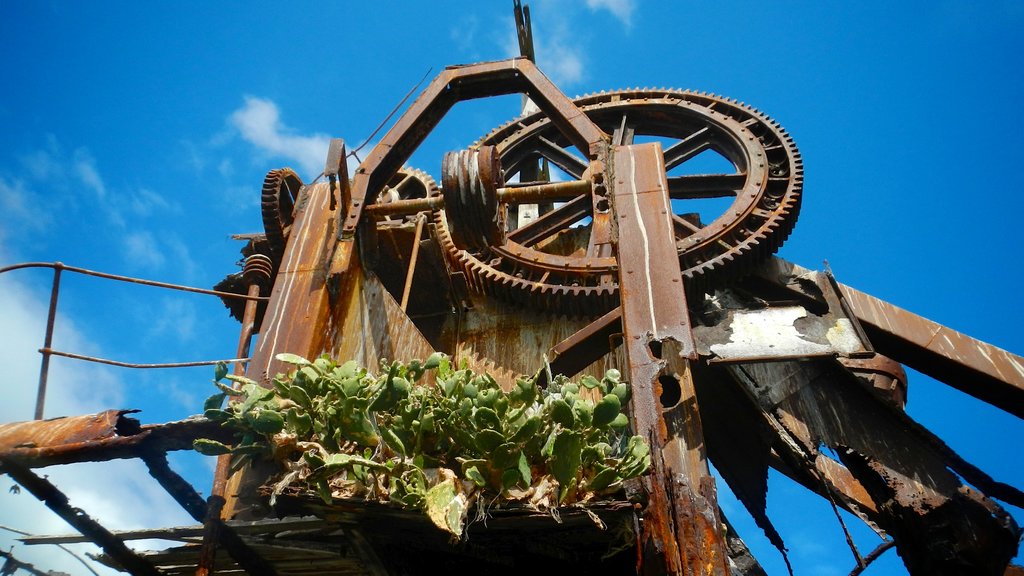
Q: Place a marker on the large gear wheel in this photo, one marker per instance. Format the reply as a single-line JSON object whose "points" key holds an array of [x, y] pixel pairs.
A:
{"points": [[562, 261], [277, 203]]}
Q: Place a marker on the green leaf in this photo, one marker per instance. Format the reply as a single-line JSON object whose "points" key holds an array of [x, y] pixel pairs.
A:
{"points": [[209, 447], [220, 370], [527, 430], [392, 440], [603, 479], [620, 421], [473, 474], [510, 478], [623, 391], [584, 411], [214, 402], [487, 418], [589, 382], [324, 490], [506, 456], [218, 415], [298, 422], [525, 473], [268, 422], [487, 440], [562, 414], [292, 359], [607, 410], [433, 361], [347, 370], [566, 456]]}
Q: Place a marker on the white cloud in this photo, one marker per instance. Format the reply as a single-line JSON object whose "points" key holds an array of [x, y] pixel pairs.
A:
{"points": [[560, 61], [621, 9], [145, 202], [85, 168], [141, 249], [259, 123], [177, 317]]}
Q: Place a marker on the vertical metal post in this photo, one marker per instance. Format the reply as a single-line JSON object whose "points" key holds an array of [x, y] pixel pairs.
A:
{"points": [[44, 367], [258, 269], [682, 532], [420, 219]]}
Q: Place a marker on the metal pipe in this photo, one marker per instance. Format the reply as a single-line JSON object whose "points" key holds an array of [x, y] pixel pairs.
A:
{"points": [[412, 259], [515, 194], [49, 351], [129, 279], [257, 273], [44, 367]]}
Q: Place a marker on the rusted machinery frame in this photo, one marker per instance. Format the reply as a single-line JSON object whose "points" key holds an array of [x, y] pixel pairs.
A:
{"points": [[56, 500], [454, 84], [979, 369], [984, 371]]}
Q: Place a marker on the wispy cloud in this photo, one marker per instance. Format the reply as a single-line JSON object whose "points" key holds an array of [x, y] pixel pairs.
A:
{"points": [[85, 168], [259, 123], [141, 249], [621, 9]]}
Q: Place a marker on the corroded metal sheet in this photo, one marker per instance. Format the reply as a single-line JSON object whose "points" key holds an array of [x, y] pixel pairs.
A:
{"points": [[63, 431], [368, 325], [296, 317], [913, 479], [99, 437]]}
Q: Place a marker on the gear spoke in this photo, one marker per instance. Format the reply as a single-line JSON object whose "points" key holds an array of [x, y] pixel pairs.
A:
{"points": [[561, 157], [556, 264], [551, 223], [696, 186], [687, 148]]}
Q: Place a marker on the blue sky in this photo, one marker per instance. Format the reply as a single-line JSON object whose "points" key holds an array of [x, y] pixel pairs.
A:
{"points": [[136, 137]]}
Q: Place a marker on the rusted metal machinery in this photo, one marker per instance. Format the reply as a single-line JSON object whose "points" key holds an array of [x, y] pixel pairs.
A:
{"points": [[733, 355]]}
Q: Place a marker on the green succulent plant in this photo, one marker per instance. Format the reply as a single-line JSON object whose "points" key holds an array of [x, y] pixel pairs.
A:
{"points": [[436, 446]]}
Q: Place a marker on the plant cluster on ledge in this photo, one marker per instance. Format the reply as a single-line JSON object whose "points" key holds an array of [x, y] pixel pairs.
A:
{"points": [[439, 446]]}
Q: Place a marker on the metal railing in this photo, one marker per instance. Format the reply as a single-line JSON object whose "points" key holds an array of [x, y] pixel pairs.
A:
{"points": [[58, 268]]}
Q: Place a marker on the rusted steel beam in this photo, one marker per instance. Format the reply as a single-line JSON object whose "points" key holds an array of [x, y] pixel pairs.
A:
{"points": [[984, 371], [682, 532], [56, 500], [455, 84], [586, 346], [99, 437], [179, 488]]}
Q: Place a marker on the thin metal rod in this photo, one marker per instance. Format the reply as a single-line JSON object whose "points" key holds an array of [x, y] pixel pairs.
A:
{"points": [[212, 523], [44, 366], [131, 280], [412, 259], [53, 352]]}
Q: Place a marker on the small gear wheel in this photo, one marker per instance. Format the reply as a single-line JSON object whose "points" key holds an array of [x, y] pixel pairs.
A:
{"points": [[562, 261]]}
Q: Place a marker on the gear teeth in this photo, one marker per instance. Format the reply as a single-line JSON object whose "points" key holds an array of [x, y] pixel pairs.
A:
{"points": [[758, 236]]}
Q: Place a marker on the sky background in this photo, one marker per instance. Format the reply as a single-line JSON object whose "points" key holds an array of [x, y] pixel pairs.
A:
{"points": [[136, 137]]}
